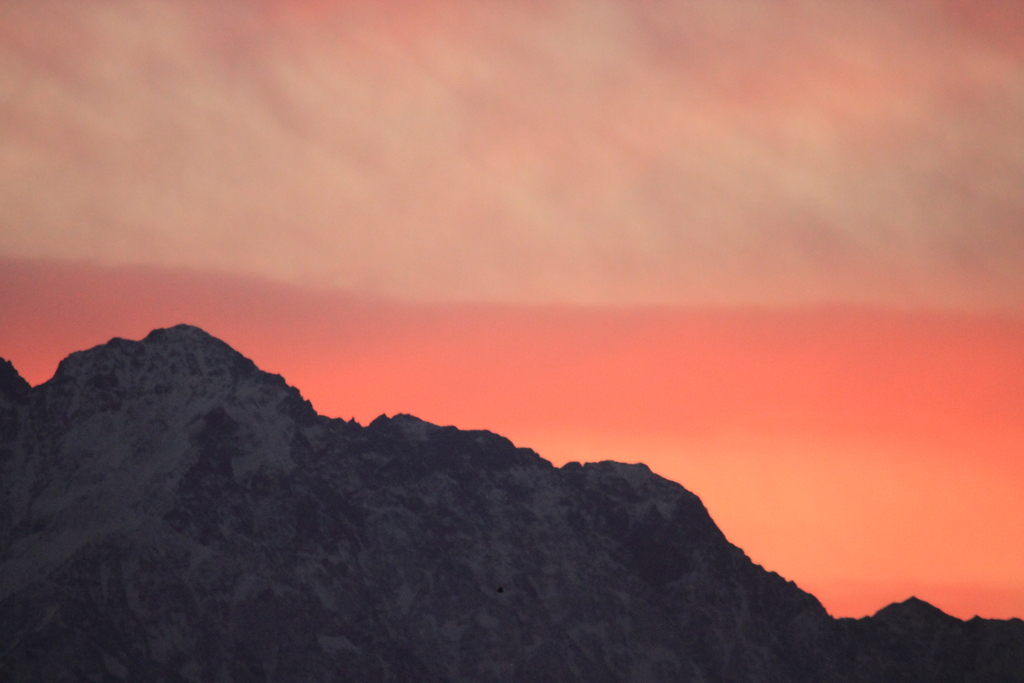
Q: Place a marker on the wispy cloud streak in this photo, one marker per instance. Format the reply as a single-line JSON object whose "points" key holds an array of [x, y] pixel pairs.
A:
{"points": [[726, 152]]}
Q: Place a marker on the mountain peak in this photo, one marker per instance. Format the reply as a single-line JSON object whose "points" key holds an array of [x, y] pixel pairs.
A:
{"points": [[181, 364], [188, 335], [913, 610], [188, 349]]}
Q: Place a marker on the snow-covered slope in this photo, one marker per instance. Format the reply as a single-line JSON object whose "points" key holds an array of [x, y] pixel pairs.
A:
{"points": [[169, 512]]}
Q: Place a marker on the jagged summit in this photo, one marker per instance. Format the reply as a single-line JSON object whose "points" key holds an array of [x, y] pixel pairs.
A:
{"points": [[182, 351], [182, 365], [912, 608], [169, 512]]}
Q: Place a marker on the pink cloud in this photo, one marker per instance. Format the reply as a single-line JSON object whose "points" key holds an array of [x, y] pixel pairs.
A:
{"points": [[616, 152]]}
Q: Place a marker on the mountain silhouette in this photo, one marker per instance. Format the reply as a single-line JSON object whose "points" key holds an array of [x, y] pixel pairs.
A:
{"points": [[169, 512]]}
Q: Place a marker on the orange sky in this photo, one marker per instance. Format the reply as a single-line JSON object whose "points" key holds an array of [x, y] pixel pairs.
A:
{"points": [[771, 247], [868, 454]]}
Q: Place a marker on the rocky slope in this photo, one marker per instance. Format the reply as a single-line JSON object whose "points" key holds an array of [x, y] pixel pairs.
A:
{"points": [[168, 512]]}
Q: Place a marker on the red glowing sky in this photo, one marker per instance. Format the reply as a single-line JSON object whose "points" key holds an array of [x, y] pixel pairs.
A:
{"points": [[771, 248], [868, 454]]}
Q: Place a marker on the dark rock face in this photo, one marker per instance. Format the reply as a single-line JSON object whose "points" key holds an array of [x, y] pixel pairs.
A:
{"points": [[170, 513]]}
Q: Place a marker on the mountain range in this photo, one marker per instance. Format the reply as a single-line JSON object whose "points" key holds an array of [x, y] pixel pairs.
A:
{"points": [[169, 512]]}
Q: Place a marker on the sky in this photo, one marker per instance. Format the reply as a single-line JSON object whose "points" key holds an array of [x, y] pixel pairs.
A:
{"points": [[772, 248]]}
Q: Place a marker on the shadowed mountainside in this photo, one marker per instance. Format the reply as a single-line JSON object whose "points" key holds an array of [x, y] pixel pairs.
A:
{"points": [[168, 512]]}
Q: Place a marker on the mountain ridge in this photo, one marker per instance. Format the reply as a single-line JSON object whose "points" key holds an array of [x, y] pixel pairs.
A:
{"points": [[171, 512]]}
